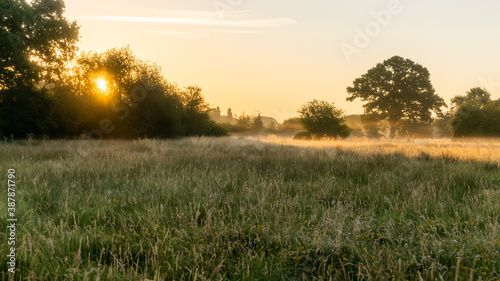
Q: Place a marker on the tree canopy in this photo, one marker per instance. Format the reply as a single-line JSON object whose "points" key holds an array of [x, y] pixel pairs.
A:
{"points": [[321, 118], [475, 114], [477, 97], [112, 94], [36, 41], [139, 102], [397, 89]]}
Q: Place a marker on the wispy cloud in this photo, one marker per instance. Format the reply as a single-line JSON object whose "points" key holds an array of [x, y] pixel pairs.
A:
{"points": [[236, 31], [174, 33], [204, 21], [229, 15]]}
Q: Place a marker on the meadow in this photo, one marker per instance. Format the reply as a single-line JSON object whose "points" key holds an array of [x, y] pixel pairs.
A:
{"points": [[248, 209]]}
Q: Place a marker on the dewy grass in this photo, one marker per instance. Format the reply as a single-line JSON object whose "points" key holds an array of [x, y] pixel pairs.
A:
{"points": [[235, 209]]}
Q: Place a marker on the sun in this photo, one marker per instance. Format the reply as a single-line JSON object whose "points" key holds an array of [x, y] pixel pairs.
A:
{"points": [[102, 84]]}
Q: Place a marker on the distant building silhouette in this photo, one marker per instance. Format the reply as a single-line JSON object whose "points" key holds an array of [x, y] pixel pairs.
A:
{"points": [[215, 114]]}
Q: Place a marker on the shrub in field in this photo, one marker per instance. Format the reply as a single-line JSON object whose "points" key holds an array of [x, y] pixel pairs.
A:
{"points": [[320, 118]]}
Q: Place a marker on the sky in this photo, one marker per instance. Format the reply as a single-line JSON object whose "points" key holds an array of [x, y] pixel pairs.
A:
{"points": [[273, 56]]}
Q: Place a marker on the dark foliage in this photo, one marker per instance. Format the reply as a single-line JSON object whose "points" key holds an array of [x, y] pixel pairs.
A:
{"points": [[36, 40], [138, 103], [24, 111], [322, 119], [475, 114], [395, 90]]}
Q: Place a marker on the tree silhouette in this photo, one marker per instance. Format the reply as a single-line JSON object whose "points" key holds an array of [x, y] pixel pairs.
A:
{"points": [[243, 123], [24, 110], [396, 89], [36, 41], [475, 114], [257, 124], [196, 119], [320, 118], [476, 96]]}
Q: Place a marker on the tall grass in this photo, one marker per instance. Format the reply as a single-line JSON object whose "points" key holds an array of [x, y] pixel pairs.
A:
{"points": [[235, 209]]}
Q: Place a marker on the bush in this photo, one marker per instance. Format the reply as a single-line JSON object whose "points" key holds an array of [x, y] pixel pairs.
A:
{"points": [[320, 118], [217, 130]]}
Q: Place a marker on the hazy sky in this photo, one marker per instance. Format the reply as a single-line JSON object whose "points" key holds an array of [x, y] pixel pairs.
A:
{"points": [[273, 56]]}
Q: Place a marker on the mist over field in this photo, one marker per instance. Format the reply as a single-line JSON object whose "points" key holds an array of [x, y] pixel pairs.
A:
{"points": [[242, 209]]}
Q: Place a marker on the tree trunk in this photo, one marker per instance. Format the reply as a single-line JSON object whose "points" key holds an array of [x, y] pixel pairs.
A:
{"points": [[393, 130]]}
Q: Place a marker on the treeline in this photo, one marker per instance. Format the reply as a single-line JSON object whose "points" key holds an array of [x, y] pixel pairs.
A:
{"points": [[474, 114], [135, 101], [254, 125], [399, 97]]}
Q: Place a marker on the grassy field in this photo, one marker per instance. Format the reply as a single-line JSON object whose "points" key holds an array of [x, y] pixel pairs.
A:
{"points": [[242, 209]]}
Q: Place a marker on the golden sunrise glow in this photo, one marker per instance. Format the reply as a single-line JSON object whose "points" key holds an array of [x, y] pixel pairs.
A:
{"points": [[102, 85], [274, 57]]}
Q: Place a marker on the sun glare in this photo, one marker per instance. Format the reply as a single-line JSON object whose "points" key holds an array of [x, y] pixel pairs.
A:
{"points": [[102, 84]]}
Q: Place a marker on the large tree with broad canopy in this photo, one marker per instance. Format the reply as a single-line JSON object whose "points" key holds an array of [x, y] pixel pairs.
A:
{"points": [[397, 89]]}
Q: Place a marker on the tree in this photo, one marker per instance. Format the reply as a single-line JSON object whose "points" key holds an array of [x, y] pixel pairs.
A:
{"points": [[243, 124], [443, 125], [397, 89], [137, 102], [128, 97], [196, 119], [120, 68], [24, 110], [36, 41], [158, 114], [257, 123], [477, 97], [475, 114], [320, 118]]}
